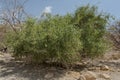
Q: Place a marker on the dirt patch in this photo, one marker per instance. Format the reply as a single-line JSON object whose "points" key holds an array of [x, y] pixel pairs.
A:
{"points": [[11, 69]]}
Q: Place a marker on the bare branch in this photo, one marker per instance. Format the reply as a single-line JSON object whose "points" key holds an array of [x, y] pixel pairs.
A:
{"points": [[115, 35], [13, 12]]}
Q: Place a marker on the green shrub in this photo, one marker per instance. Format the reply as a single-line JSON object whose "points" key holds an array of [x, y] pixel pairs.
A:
{"points": [[60, 38], [93, 29], [50, 39]]}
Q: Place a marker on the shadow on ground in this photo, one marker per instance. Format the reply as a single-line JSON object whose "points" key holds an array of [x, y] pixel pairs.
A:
{"points": [[27, 71]]}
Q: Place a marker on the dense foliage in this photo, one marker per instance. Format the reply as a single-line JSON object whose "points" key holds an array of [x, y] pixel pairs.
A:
{"points": [[93, 28], [51, 39], [61, 38]]}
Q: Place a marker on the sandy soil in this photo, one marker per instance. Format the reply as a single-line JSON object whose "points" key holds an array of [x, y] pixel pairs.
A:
{"points": [[16, 70]]}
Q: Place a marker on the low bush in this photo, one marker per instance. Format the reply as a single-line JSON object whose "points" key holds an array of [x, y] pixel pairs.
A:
{"points": [[51, 39], [92, 25], [61, 38]]}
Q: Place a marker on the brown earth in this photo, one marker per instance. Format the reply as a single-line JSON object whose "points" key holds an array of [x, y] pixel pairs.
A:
{"points": [[17, 70]]}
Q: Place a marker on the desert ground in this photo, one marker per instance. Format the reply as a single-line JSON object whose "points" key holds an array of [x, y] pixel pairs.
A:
{"points": [[11, 69]]}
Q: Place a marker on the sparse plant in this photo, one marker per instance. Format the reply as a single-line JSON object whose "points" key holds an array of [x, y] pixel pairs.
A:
{"points": [[114, 34]]}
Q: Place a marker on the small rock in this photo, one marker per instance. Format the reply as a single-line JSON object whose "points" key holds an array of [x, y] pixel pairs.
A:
{"points": [[12, 78], [104, 68], [49, 75], [73, 74], [94, 68], [1, 55], [118, 70], [52, 69], [112, 69], [8, 71], [82, 77], [91, 68], [89, 75], [104, 76]]}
